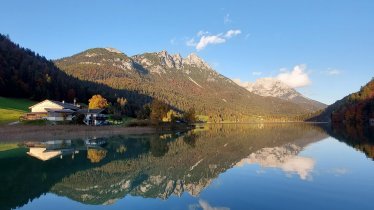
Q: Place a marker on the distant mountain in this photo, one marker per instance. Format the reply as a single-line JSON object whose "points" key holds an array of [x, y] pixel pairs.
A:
{"points": [[181, 82], [355, 108], [271, 87]]}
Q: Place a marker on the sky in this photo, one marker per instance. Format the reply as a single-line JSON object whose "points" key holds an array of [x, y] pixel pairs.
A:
{"points": [[323, 48]]}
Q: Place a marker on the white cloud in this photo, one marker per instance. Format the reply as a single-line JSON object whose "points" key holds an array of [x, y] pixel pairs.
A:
{"points": [[232, 33], [284, 158], [206, 40], [296, 78], [173, 41], [226, 19], [338, 171], [256, 73], [202, 33], [240, 83], [191, 42], [332, 72], [206, 206]]}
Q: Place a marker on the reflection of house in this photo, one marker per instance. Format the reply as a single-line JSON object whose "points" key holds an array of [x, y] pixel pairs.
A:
{"points": [[45, 154], [58, 148], [52, 110], [94, 116], [52, 149]]}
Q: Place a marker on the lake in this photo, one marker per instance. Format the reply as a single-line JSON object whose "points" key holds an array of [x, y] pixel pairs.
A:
{"points": [[214, 167]]}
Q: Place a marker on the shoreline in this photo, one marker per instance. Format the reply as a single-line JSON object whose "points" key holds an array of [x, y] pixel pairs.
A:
{"points": [[19, 133]]}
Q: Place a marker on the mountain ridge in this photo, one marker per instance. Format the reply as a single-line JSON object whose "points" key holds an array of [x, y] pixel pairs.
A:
{"points": [[181, 82]]}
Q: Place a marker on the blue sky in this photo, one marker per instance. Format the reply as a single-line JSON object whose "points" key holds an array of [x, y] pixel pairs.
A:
{"points": [[325, 48]]}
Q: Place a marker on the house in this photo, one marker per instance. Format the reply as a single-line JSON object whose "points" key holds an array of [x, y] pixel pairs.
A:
{"points": [[61, 111], [371, 121], [52, 110], [94, 116]]}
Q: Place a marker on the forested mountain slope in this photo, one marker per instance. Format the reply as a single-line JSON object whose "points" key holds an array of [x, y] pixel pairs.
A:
{"points": [[355, 108], [25, 74], [181, 82]]}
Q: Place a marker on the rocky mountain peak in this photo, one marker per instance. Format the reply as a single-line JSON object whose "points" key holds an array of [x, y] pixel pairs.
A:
{"points": [[194, 60], [113, 50], [171, 61], [272, 87], [178, 60]]}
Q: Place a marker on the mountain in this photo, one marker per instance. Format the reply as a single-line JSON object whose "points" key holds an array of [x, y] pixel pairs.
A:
{"points": [[25, 74], [271, 87], [181, 82], [355, 108]]}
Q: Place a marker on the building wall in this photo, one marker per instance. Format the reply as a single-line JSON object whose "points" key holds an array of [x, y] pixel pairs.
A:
{"points": [[42, 106], [59, 118]]}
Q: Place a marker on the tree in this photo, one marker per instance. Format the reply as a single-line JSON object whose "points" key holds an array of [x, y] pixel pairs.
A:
{"points": [[97, 102], [71, 95], [122, 102], [170, 116], [190, 116], [96, 155], [144, 112], [159, 110], [122, 107]]}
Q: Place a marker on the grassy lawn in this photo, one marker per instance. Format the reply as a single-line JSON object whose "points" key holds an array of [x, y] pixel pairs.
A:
{"points": [[13, 152], [12, 108], [16, 103], [5, 147], [7, 115]]}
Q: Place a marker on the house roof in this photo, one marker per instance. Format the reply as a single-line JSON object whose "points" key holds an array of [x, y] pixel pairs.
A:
{"points": [[91, 111], [60, 110], [59, 103]]}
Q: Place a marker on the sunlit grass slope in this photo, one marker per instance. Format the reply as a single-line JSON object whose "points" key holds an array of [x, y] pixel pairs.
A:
{"points": [[11, 109]]}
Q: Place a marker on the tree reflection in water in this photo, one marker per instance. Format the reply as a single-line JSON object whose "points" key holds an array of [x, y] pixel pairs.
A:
{"points": [[154, 166]]}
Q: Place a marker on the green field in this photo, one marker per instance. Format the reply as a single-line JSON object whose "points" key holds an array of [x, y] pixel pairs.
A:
{"points": [[12, 108]]}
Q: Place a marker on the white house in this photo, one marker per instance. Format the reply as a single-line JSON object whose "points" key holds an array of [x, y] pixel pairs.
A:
{"points": [[52, 110], [94, 116], [371, 121]]}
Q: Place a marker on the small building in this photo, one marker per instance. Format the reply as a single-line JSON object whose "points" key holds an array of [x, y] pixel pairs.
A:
{"points": [[52, 110], [371, 121], [94, 116]]}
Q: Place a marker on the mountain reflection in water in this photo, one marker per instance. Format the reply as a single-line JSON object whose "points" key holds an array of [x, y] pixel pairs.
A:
{"points": [[151, 166]]}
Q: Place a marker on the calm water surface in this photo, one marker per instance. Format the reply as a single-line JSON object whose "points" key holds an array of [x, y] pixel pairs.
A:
{"points": [[271, 166]]}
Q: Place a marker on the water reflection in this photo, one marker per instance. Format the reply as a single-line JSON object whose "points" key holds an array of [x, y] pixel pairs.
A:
{"points": [[357, 136], [59, 148], [103, 171], [204, 205], [283, 157]]}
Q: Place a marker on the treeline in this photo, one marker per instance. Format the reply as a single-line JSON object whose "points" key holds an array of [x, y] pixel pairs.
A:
{"points": [[358, 107], [355, 108], [26, 74]]}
